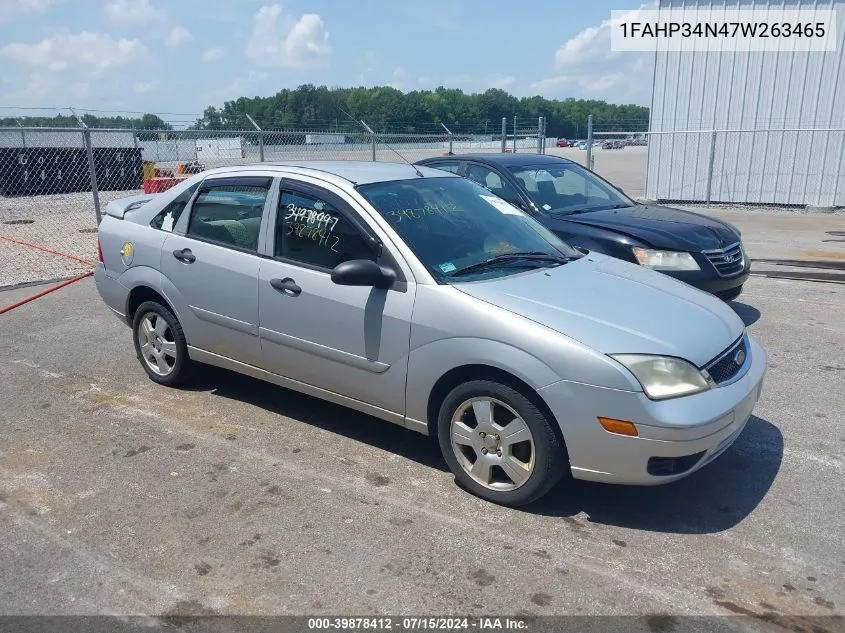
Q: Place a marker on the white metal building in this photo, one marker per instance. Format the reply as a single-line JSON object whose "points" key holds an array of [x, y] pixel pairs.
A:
{"points": [[217, 148], [751, 127], [70, 138], [168, 149]]}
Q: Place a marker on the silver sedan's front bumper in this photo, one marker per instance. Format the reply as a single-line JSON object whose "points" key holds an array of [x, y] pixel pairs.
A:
{"points": [[679, 436]]}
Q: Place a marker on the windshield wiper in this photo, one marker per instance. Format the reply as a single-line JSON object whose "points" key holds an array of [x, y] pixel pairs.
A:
{"points": [[539, 256], [590, 209]]}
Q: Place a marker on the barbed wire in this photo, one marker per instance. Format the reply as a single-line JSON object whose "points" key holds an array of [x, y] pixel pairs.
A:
{"points": [[220, 119]]}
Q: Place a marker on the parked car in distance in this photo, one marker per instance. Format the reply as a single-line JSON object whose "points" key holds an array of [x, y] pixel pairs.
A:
{"points": [[423, 299], [562, 142], [582, 144], [587, 211], [614, 144]]}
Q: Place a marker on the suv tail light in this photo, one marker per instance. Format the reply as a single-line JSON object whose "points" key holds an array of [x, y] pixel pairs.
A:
{"points": [[99, 252]]}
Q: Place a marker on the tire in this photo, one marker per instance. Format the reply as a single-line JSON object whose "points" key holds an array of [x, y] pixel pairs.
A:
{"points": [[548, 460], [169, 344]]}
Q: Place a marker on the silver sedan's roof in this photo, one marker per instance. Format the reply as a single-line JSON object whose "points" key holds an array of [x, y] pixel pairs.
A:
{"points": [[354, 171]]}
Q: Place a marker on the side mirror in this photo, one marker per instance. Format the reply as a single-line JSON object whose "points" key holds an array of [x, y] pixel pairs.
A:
{"points": [[363, 272]]}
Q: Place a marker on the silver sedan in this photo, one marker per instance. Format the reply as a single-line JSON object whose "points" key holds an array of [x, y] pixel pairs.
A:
{"points": [[422, 299]]}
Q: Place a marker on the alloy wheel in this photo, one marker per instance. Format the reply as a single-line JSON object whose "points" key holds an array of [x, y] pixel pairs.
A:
{"points": [[157, 345], [492, 443]]}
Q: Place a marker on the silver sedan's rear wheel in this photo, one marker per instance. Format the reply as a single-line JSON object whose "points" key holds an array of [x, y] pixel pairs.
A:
{"points": [[155, 340], [492, 443], [499, 444], [160, 344]]}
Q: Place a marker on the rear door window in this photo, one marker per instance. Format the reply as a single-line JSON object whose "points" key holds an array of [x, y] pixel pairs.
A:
{"points": [[491, 180], [229, 213], [452, 166]]}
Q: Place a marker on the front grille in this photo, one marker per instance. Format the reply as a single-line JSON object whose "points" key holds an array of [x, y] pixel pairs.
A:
{"points": [[728, 261], [725, 367]]}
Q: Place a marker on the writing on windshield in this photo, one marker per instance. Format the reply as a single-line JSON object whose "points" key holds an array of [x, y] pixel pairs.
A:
{"points": [[452, 223]]}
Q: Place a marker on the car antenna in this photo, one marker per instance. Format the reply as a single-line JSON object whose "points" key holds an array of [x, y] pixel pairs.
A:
{"points": [[370, 130]]}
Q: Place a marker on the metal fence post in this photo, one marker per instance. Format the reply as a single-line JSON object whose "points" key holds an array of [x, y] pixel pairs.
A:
{"points": [[544, 135], [514, 134], [590, 142], [372, 137], [449, 132], [260, 137], [504, 133], [710, 167], [92, 171], [540, 135]]}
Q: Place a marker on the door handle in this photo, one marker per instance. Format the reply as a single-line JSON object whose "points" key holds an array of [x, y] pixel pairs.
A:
{"points": [[184, 255], [286, 285]]}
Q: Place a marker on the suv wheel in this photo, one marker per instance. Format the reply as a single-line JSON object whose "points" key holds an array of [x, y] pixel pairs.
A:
{"points": [[160, 344], [498, 444]]}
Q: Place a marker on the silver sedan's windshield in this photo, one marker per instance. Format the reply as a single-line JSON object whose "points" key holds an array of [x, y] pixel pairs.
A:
{"points": [[568, 188], [461, 231]]}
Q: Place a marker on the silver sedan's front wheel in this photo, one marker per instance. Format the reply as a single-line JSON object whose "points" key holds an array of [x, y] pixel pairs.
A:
{"points": [[160, 344], [498, 442], [492, 443]]}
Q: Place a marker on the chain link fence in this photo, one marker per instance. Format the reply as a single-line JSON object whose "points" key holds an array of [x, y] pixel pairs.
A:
{"points": [[55, 182], [782, 167]]}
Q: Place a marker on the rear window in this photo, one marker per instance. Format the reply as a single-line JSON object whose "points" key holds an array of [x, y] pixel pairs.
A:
{"points": [[229, 215], [169, 216]]}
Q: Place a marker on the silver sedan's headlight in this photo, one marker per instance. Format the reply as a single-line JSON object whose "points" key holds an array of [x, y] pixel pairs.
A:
{"points": [[664, 377], [665, 260]]}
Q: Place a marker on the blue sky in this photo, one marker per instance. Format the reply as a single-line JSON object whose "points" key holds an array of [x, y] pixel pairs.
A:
{"points": [[163, 56]]}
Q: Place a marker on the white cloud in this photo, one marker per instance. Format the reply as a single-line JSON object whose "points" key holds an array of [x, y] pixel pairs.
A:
{"points": [[284, 43], [178, 35], [134, 12], [213, 54], [41, 86], [10, 9], [458, 81], [144, 86], [66, 50], [400, 78], [497, 80], [242, 85], [585, 66]]}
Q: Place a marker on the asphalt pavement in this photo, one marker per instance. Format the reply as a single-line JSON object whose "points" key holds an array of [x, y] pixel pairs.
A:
{"points": [[120, 496]]}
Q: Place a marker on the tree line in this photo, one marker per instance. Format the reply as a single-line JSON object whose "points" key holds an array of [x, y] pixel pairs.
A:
{"points": [[387, 110]]}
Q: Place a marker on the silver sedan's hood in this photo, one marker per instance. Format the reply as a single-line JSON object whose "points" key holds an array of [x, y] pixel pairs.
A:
{"points": [[616, 307]]}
